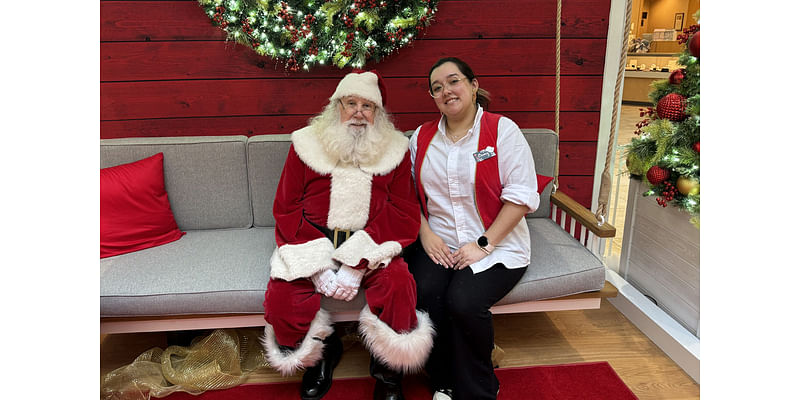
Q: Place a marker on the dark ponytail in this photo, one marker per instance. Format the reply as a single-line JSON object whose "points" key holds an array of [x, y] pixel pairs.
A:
{"points": [[482, 97]]}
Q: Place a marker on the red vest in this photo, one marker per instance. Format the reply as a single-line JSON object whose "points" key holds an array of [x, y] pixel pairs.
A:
{"points": [[487, 173]]}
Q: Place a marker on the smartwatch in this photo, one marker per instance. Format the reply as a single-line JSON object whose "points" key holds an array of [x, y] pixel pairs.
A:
{"points": [[483, 244]]}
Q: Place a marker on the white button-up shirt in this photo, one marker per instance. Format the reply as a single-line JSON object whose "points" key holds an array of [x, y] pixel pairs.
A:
{"points": [[448, 178]]}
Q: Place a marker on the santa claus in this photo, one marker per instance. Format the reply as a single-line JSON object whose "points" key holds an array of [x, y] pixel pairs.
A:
{"points": [[345, 208]]}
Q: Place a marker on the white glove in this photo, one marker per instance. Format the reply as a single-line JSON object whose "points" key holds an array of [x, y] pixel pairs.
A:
{"points": [[348, 280], [325, 282]]}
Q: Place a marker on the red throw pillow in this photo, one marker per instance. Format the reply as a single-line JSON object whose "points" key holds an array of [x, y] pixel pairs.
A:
{"points": [[134, 208], [542, 181]]}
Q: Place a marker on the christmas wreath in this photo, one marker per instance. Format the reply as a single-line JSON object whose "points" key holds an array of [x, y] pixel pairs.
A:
{"points": [[667, 149], [305, 33]]}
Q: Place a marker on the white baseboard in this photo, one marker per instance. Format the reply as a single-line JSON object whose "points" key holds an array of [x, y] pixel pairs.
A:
{"points": [[670, 336]]}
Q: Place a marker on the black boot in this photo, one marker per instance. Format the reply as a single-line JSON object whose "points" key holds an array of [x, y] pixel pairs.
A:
{"points": [[388, 383], [318, 379]]}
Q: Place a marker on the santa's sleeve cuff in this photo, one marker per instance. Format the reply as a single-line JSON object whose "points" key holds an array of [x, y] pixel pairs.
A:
{"points": [[294, 261], [361, 246]]}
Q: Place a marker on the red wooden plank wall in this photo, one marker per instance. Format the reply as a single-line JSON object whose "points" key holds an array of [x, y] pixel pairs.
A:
{"points": [[166, 71]]}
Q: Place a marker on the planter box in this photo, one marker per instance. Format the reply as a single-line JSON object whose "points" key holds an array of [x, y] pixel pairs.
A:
{"points": [[661, 256]]}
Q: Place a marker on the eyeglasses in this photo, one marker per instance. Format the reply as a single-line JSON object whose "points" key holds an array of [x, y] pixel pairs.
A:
{"points": [[352, 106], [437, 89]]}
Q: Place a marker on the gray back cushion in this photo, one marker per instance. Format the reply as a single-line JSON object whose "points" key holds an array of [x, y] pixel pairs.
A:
{"points": [[267, 153], [543, 144], [205, 177], [265, 157]]}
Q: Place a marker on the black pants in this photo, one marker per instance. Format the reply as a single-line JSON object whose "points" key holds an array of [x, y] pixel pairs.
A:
{"points": [[458, 303]]}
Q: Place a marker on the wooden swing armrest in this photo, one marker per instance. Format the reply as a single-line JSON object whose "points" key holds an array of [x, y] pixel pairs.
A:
{"points": [[582, 215]]}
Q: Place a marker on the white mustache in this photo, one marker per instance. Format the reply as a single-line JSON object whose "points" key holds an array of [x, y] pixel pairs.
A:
{"points": [[355, 127], [353, 121]]}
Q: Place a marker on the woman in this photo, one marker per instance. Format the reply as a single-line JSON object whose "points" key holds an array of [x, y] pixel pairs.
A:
{"points": [[476, 179]]}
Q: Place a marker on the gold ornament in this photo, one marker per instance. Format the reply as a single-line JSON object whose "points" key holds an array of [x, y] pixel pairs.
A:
{"points": [[688, 186]]}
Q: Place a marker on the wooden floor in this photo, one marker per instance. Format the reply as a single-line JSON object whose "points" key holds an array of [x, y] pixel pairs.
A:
{"points": [[527, 339]]}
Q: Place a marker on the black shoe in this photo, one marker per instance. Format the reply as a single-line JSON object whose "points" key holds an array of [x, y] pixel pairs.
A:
{"points": [[388, 383], [318, 379]]}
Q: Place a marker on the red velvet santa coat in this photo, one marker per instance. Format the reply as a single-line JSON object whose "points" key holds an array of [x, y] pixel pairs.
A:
{"points": [[377, 202]]}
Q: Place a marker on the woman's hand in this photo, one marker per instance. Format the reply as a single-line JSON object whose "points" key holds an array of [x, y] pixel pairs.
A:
{"points": [[436, 249], [467, 255]]}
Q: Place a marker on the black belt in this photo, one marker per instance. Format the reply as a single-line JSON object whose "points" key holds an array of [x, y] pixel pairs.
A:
{"points": [[336, 236]]}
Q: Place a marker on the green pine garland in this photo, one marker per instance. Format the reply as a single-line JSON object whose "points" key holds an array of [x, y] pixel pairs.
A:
{"points": [[305, 33], [671, 144]]}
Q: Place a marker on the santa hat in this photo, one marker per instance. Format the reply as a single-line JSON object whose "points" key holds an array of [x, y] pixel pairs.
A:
{"points": [[365, 84]]}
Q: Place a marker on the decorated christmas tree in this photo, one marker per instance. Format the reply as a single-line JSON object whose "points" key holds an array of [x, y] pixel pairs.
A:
{"points": [[667, 148]]}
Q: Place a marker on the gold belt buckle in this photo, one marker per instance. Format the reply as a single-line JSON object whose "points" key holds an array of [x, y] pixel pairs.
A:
{"points": [[336, 236]]}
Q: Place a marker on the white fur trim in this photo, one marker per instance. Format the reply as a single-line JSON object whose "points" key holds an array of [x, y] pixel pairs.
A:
{"points": [[293, 261], [312, 152], [406, 352], [360, 245], [392, 155], [364, 85], [351, 190], [307, 354]]}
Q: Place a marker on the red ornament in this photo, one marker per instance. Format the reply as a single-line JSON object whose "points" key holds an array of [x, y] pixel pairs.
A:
{"points": [[696, 147], [672, 107], [676, 77], [656, 175], [694, 45]]}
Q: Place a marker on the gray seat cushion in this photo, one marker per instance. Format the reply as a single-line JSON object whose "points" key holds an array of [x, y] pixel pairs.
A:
{"points": [[205, 272], [559, 266], [226, 271]]}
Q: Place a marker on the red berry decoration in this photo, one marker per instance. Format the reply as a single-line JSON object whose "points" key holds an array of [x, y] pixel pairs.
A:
{"points": [[656, 175], [687, 33], [641, 124], [694, 45], [696, 147], [672, 107], [676, 77], [668, 194]]}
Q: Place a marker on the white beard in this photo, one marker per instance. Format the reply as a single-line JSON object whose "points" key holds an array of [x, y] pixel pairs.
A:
{"points": [[354, 144]]}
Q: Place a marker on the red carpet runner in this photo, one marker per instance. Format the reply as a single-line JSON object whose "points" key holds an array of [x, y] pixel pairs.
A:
{"points": [[586, 381]]}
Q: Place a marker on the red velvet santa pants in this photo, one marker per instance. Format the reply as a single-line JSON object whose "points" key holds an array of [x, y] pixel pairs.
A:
{"points": [[290, 306]]}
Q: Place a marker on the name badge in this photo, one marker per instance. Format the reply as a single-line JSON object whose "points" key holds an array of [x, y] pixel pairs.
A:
{"points": [[484, 154]]}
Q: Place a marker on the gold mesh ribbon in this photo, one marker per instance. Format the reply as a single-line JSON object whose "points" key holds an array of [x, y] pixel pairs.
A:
{"points": [[221, 360]]}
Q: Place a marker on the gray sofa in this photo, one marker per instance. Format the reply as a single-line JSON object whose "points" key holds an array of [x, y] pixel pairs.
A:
{"points": [[221, 191]]}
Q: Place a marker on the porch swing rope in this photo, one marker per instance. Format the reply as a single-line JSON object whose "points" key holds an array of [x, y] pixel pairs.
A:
{"points": [[605, 181], [558, 89]]}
